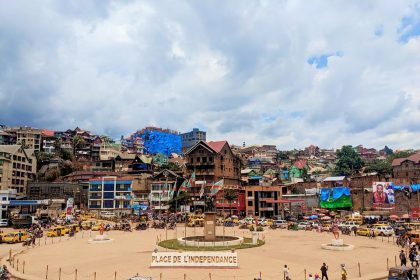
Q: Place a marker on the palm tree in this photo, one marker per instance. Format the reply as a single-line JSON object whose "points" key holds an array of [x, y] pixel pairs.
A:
{"points": [[230, 195]]}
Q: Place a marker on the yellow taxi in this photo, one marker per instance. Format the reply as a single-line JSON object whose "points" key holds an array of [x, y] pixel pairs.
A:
{"points": [[13, 237], [363, 231], [88, 224], [75, 227], [57, 231], [96, 227]]}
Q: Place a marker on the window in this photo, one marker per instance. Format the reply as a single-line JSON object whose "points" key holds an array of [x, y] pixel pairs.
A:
{"points": [[249, 203], [249, 193]]}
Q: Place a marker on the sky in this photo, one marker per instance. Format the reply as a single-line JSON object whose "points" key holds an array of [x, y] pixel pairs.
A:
{"points": [[288, 73]]}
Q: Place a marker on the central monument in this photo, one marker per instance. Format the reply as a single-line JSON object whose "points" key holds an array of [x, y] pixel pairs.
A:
{"points": [[210, 226]]}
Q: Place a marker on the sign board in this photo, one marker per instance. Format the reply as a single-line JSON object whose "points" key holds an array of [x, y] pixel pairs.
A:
{"points": [[383, 193], [194, 259], [199, 202]]}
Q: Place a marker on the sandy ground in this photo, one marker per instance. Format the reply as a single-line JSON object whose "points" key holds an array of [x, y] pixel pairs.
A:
{"points": [[130, 253]]}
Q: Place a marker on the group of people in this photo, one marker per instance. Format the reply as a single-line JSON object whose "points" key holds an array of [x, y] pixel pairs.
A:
{"points": [[324, 273]]}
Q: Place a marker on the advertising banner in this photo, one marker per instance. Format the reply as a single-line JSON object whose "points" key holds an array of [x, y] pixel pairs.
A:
{"points": [[383, 193], [194, 259], [69, 208]]}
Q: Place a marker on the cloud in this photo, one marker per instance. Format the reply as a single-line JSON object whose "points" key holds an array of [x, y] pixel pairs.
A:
{"points": [[290, 73]]}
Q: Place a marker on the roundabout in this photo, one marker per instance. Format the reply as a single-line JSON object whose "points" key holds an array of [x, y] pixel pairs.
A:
{"points": [[131, 253]]}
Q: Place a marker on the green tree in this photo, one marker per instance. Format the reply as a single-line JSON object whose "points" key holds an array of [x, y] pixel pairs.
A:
{"points": [[401, 154], [230, 195], [348, 161], [170, 166], [382, 167], [77, 142]]}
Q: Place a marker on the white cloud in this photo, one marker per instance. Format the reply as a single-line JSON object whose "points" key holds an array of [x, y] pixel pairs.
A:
{"points": [[238, 70]]}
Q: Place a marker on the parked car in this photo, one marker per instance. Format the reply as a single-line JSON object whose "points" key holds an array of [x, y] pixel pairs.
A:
{"points": [[349, 225], [363, 231], [4, 222], [384, 231], [304, 225], [13, 237], [280, 224]]}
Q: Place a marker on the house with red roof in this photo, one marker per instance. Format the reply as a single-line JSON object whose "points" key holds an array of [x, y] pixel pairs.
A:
{"points": [[211, 162], [407, 168]]}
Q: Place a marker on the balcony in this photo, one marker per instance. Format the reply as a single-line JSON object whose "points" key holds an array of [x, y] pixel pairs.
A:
{"points": [[266, 208], [123, 197], [95, 197], [123, 189], [95, 189], [94, 206]]}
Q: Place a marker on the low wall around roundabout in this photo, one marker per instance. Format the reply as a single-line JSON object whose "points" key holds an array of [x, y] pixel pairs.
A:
{"points": [[227, 243]]}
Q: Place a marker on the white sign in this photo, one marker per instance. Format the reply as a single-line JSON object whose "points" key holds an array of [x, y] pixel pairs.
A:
{"points": [[194, 259]]}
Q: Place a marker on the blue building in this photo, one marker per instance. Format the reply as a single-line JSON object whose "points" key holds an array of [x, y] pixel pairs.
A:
{"points": [[155, 140], [110, 193]]}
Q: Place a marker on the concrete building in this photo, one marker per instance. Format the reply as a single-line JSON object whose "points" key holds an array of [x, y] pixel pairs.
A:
{"points": [[61, 190], [29, 137], [7, 138], [263, 201], [111, 193], [189, 139], [162, 186], [6, 195], [17, 168], [48, 141]]}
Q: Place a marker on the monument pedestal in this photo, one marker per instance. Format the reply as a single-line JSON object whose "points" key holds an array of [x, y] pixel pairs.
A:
{"points": [[254, 237], [337, 242]]}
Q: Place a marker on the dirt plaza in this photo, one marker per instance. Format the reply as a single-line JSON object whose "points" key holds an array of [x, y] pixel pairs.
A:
{"points": [[130, 253]]}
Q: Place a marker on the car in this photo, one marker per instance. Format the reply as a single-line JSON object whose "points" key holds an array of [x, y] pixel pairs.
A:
{"points": [[280, 223], [4, 222], [304, 225], [57, 231], [384, 230], [13, 237], [349, 225], [363, 231]]}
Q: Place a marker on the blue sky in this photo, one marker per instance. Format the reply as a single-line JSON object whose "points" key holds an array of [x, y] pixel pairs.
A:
{"points": [[260, 72]]}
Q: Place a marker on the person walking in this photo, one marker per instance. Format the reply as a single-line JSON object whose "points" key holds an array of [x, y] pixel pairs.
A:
{"points": [[324, 269], [416, 258], [343, 272], [403, 259], [286, 272]]}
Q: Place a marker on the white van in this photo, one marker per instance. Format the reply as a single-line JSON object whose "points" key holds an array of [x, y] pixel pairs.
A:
{"points": [[107, 214]]}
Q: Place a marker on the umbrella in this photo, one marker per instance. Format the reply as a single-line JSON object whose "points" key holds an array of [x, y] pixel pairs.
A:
{"points": [[393, 217], [405, 216], [326, 218], [306, 218], [321, 214], [313, 217]]}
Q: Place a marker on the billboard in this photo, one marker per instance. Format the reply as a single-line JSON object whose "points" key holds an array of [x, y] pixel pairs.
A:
{"points": [[383, 193], [333, 198]]}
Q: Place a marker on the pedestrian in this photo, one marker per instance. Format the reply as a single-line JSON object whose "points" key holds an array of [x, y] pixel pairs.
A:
{"points": [[355, 231], [343, 272], [310, 277], [286, 272], [324, 269], [403, 259], [417, 258], [20, 236], [316, 277]]}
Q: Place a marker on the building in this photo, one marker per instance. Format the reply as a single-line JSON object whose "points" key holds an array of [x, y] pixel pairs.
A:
{"points": [[153, 140], [59, 190], [29, 137], [5, 196], [234, 207], [48, 141], [7, 138], [407, 168], [189, 139], [17, 168], [162, 188], [111, 193], [263, 201]]}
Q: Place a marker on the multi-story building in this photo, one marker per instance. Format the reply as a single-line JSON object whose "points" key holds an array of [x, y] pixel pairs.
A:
{"points": [[17, 168], [110, 193], [263, 201], [109, 151], [234, 207], [7, 138], [407, 168], [153, 140], [162, 186], [29, 137], [312, 150], [211, 162], [48, 141], [5, 196], [61, 190], [189, 139]]}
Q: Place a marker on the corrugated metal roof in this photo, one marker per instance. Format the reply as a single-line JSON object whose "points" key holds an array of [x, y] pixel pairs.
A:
{"points": [[336, 178]]}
